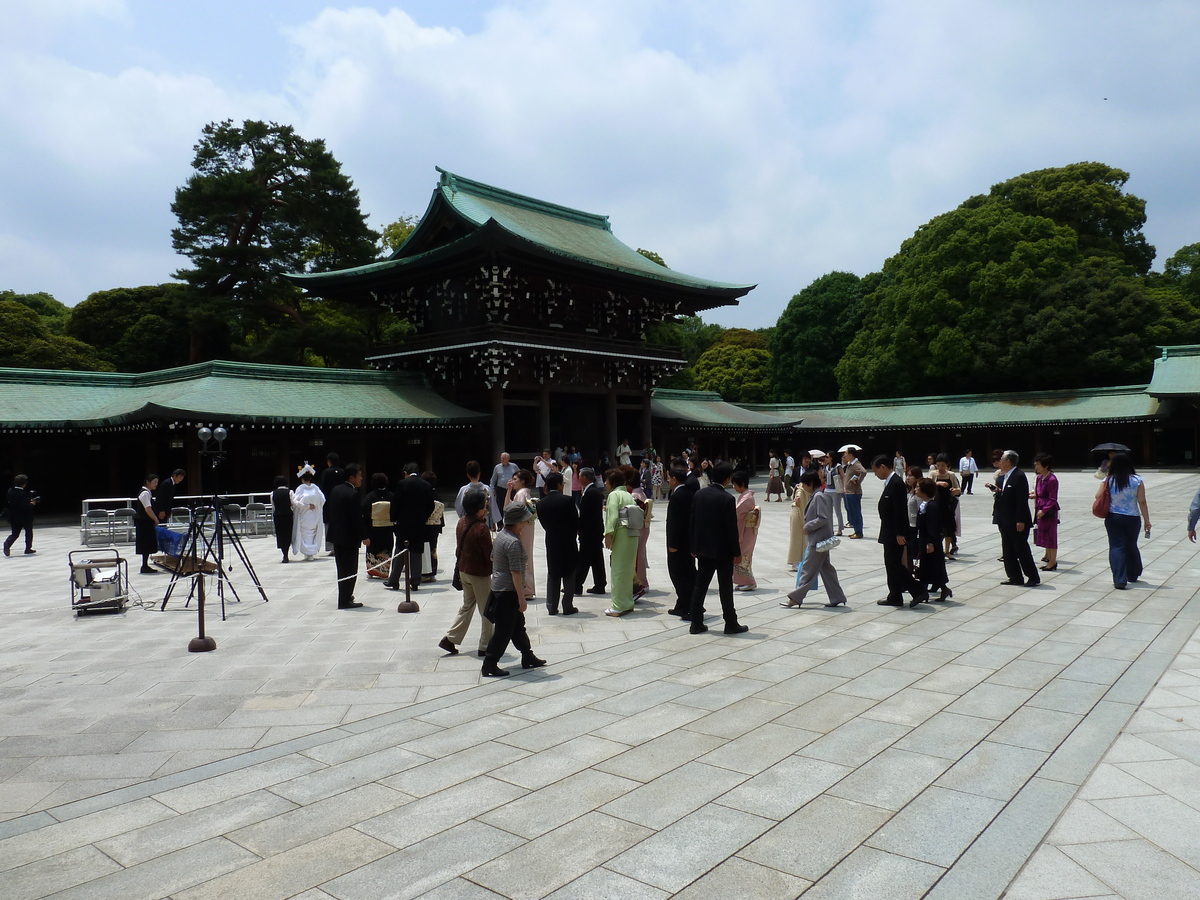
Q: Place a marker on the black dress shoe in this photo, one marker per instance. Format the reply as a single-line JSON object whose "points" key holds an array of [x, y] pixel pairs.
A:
{"points": [[833, 605], [597, 590], [1014, 583], [353, 604], [889, 602], [448, 645], [569, 611], [1033, 582], [391, 587], [736, 628], [946, 594], [698, 628], [1121, 587], [491, 670], [922, 597], [482, 653], [675, 611], [529, 661], [551, 610]]}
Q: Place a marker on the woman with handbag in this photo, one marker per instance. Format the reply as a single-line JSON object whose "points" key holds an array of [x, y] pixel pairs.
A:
{"points": [[506, 602], [1126, 496], [818, 527], [747, 524], [473, 571]]}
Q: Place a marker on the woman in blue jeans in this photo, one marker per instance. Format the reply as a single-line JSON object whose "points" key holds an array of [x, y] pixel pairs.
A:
{"points": [[1127, 499]]}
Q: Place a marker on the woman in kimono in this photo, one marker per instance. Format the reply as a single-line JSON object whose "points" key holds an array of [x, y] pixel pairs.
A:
{"points": [[520, 490], [283, 504], [1045, 502], [747, 525], [636, 486], [377, 514], [308, 534], [774, 478], [622, 541], [930, 554], [798, 539]]}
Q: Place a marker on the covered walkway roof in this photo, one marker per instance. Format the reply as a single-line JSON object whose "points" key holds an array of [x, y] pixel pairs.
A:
{"points": [[706, 411], [223, 393], [1132, 403], [1176, 372]]}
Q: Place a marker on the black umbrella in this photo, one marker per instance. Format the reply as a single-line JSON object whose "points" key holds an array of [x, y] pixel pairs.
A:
{"points": [[1110, 446]]}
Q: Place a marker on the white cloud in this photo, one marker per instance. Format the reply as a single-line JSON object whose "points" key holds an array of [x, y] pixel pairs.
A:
{"points": [[768, 140]]}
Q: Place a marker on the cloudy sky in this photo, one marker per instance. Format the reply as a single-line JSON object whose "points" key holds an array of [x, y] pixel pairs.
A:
{"points": [[766, 141]]}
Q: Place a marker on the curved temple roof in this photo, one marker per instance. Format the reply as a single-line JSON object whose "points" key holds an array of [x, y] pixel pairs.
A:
{"points": [[35, 399], [463, 211]]}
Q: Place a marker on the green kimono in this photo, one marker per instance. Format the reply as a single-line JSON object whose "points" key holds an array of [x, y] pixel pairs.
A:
{"points": [[624, 549]]}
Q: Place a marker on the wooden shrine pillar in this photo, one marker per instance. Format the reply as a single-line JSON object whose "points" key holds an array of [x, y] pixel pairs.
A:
{"points": [[543, 419], [647, 424], [496, 395], [612, 441]]}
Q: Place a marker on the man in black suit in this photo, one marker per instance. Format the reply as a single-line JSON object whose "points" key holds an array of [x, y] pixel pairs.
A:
{"points": [[164, 497], [412, 503], [681, 565], [1014, 521], [332, 475], [893, 531], [591, 534], [715, 544], [347, 531], [557, 514]]}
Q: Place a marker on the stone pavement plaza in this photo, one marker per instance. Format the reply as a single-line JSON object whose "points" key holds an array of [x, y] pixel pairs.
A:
{"points": [[1041, 742]]}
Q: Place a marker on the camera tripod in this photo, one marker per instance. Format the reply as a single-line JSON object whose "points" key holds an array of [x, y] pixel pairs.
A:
{"points": [[205, 554]]}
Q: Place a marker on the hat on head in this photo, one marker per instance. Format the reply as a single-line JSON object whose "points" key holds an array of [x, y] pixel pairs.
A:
{"points": [[516, 512]]}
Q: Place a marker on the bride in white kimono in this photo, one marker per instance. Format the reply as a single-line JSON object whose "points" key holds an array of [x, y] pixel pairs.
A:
{"points": [[308, 532]]}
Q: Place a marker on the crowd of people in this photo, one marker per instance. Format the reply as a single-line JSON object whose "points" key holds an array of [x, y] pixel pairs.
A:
{"points": [[709, 531]]}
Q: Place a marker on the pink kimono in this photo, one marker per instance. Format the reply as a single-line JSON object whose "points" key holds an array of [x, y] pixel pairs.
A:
{"points": [[747, 522]]}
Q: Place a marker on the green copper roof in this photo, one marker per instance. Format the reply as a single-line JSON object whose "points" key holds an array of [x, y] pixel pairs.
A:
{"points": [[1176, 372], [1111, 404], [706, 410], [222, 392], [571, 234]]}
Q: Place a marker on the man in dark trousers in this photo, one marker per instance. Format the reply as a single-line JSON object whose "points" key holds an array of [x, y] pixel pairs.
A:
{"points": [[893, 531], [557, 514], [1014, 521], [681, 565], [715, 543], [21, 502], [331, 477], [412, 502], [164, 497], [591, 534], [347, 530]]}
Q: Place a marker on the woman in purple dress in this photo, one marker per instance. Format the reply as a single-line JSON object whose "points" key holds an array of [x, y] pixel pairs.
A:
{"points": [[1045, 497]]}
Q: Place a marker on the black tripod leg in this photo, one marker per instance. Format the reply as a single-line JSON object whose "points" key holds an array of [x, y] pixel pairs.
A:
{"points": [[240, 549]]}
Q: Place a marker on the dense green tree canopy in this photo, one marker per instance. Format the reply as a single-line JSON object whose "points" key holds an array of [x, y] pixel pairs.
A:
{"points": [[263, 201], [53, 313], [26, 342], [980, 297], [813, 333], [136, 329], [740, 374]]}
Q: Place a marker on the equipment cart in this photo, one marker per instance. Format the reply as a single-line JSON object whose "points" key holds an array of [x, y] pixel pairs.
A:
{"points": [[99, 580]]}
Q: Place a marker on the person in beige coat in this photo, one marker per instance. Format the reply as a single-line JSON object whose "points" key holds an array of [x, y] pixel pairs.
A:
{"points": [[798, 539]]}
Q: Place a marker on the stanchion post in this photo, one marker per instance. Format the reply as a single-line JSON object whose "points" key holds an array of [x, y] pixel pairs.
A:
{"points": [[202, 643], [407, 605]]}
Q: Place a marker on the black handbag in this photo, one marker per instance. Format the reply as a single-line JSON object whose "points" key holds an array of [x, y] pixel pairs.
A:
{"points": [[491, 608]]}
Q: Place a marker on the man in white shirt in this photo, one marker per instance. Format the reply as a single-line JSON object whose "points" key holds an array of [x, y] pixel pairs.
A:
{"points": [[789, 466], [541, 466], [967, 470]]}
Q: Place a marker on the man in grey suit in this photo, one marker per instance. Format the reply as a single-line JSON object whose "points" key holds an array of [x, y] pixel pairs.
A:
{"points": [[818, 525]]}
